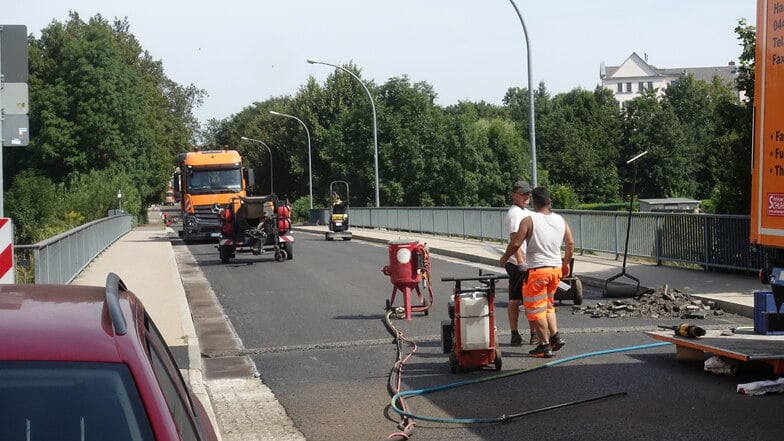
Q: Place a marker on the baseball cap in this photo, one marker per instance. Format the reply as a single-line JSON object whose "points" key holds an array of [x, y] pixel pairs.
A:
{"points": [[521, 187]]}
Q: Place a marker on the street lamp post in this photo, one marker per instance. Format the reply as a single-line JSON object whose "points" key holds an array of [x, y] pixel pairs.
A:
{"points": [[119, 201], [270, 155], [372, 106], [310, 165], [531, 129]]}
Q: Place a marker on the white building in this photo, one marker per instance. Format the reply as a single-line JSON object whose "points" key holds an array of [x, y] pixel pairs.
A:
{"points": [[635, 75]]}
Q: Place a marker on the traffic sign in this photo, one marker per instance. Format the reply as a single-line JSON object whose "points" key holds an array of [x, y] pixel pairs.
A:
{"points": [[13, 53], [7, 273], [16, 131], [14, 98]]}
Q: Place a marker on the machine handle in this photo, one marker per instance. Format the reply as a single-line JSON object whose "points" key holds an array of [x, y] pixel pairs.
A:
{"points": [[478, 278]]}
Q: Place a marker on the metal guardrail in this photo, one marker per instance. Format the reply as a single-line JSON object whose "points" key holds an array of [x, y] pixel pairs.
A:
{"points": [[709, 241], [59, 259]]}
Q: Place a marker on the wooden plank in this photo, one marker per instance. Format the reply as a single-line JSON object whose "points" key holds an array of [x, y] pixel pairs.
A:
{"points": [[743, 347]]}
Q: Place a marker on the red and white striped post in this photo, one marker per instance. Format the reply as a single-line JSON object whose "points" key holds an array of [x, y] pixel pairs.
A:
{"points": [[7, 273]]}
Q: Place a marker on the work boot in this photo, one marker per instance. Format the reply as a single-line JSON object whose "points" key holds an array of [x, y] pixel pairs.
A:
{"points": [[556, 342], [534, 339], [541, 351], [517, 339]]}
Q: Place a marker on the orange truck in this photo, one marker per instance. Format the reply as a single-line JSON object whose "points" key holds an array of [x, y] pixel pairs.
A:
{"points": [[207, 181], [767, 168]]}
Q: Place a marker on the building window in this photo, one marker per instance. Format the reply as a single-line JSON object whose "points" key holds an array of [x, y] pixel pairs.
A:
{"points": [[629, 87], [620, 87], [640, 86], [650, 85]]}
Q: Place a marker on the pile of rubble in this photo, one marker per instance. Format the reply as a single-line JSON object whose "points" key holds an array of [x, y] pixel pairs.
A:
{"points": [[661, 302]]}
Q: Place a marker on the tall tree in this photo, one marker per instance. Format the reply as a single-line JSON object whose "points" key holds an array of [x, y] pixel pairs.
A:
{"points": [[668, 168], [100, 102], [578, 138], [733, 138]]}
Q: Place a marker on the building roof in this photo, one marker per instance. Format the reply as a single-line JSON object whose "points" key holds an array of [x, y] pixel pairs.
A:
{"points": [[642, 68]]}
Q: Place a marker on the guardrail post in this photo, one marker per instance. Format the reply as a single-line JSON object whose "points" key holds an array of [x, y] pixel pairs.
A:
{"points": [[658, 239]]}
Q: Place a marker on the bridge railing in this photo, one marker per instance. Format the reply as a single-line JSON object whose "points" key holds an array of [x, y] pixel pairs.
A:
{"points": [[705, 240], [61, 258], [709, 241]]}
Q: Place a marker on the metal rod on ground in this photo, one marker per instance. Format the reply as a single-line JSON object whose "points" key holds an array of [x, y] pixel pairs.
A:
{"points": [[618, 289]]}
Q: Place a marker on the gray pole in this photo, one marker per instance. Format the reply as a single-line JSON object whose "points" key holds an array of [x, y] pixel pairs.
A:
{"points": [[2, 140], [270, 154], [373, 107], [310, 166], [532, 130]]}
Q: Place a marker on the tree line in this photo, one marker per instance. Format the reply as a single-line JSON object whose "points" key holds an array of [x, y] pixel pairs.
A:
{"points": [[104, 117]]}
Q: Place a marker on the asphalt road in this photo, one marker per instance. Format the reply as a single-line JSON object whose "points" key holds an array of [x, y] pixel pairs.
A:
{"points": [[314, 329]]}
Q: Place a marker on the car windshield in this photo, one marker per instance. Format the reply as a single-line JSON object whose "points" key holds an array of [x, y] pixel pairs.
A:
{"points": [[214, 180], [70, 401]]}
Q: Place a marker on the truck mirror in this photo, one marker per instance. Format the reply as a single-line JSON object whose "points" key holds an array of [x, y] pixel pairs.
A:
{"points": [[251, 177]]}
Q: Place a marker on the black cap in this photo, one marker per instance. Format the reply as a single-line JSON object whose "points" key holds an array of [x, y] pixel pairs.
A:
{"points": [[521, 187]]}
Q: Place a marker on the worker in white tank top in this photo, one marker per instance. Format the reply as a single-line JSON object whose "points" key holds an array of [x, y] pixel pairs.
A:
{"points": [[544, 232], [544, 247]]}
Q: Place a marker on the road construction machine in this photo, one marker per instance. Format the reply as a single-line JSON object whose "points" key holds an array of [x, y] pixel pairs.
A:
{"points": [[256, 225]]}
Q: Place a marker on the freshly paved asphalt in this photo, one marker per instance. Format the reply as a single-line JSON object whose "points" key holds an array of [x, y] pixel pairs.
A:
{"points": [[146, 261]]}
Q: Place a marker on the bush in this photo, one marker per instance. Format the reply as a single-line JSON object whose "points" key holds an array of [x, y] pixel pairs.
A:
{"points": [[708, 206], [95, 193], [564, 197], [300, 210], [36, 206], [610, 206]]}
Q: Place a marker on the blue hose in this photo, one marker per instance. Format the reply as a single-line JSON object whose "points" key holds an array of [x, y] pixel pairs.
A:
{"points": [[410, 393]]}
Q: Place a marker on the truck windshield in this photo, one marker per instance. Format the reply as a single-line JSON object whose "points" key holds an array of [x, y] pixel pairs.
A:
{"points": [[214, 181]]}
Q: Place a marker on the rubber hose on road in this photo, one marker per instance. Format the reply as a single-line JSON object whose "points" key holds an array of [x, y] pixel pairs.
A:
{"points": [[398, 397], [406, 425]]}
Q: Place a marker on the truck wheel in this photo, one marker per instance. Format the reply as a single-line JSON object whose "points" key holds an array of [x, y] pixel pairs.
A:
{"points": [[225, 253]]}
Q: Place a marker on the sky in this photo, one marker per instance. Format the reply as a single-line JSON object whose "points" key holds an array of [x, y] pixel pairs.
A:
{"points": [[244, 51]]}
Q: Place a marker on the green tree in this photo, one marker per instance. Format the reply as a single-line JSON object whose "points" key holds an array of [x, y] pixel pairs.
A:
{"points": [[668, 168], [103, 114], [695, 104], [36, 207], [733, 136], [99, 101], [578, 138], [412, 144]]}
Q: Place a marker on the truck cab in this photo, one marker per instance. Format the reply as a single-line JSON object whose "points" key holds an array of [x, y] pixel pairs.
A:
{"points": [[207, 181]]}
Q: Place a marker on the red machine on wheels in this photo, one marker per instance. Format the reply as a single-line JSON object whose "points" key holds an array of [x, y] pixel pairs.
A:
{"points": [[409, 265], [469, 334]]}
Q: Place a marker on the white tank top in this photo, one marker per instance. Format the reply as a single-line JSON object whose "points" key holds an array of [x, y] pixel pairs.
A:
{"points": [[514, 216], [544, 246]]}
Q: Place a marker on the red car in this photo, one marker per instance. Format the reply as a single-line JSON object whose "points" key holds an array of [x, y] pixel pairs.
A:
{"points": [[87, 363]]}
